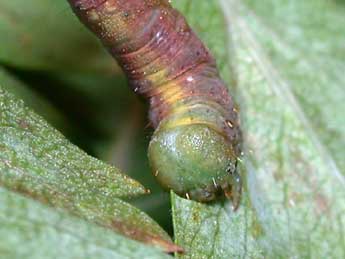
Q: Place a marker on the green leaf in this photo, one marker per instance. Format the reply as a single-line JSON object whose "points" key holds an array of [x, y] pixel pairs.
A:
{"points": [[39, 162], [284, 68], [32, 99], [32, 230], [215, 231], [309, 54], [45, 35]]}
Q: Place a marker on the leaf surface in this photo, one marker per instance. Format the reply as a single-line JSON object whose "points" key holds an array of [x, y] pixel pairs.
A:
{"points": [[31, 98], [34, 231], [283, 66], [37, 161]]}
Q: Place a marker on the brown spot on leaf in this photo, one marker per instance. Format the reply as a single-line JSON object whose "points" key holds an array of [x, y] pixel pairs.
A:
{"points": [[140, 235], [196, 217], [322, 204], [23, 124]]}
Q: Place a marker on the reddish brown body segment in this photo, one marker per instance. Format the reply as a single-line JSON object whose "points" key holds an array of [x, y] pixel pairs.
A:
{"points": [[166, 62]]}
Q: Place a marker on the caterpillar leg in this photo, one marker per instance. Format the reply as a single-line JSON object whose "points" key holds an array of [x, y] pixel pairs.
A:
{"points": [[233, 190]]}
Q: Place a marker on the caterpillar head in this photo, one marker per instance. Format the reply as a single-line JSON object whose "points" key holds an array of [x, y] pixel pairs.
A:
{"points": [[196, 162]]}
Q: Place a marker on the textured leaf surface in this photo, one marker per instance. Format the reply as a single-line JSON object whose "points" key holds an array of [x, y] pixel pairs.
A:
{"points": [[44, 34], [307, 48], [39, 162], [32, 230], [31, 99], [290, 98]]}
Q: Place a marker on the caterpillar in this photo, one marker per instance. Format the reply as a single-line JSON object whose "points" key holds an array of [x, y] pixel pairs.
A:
{"points": [[197, 139]]}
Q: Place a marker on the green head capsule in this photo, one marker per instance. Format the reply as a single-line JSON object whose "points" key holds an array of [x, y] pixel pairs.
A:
{"points": [[192, 156]]}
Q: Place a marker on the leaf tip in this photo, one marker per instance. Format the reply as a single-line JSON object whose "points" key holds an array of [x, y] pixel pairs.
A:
{"points": [[167, 246]]}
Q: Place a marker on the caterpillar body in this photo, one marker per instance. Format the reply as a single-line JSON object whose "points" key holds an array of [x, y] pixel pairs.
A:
{"points": [[197, 138]]}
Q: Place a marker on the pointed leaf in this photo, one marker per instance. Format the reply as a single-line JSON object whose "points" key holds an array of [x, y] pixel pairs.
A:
{"points": [[39, 162], [32, 230]]}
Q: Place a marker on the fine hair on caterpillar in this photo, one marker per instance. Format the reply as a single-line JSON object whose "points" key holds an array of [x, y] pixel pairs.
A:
{"points": [[197, 138]]}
